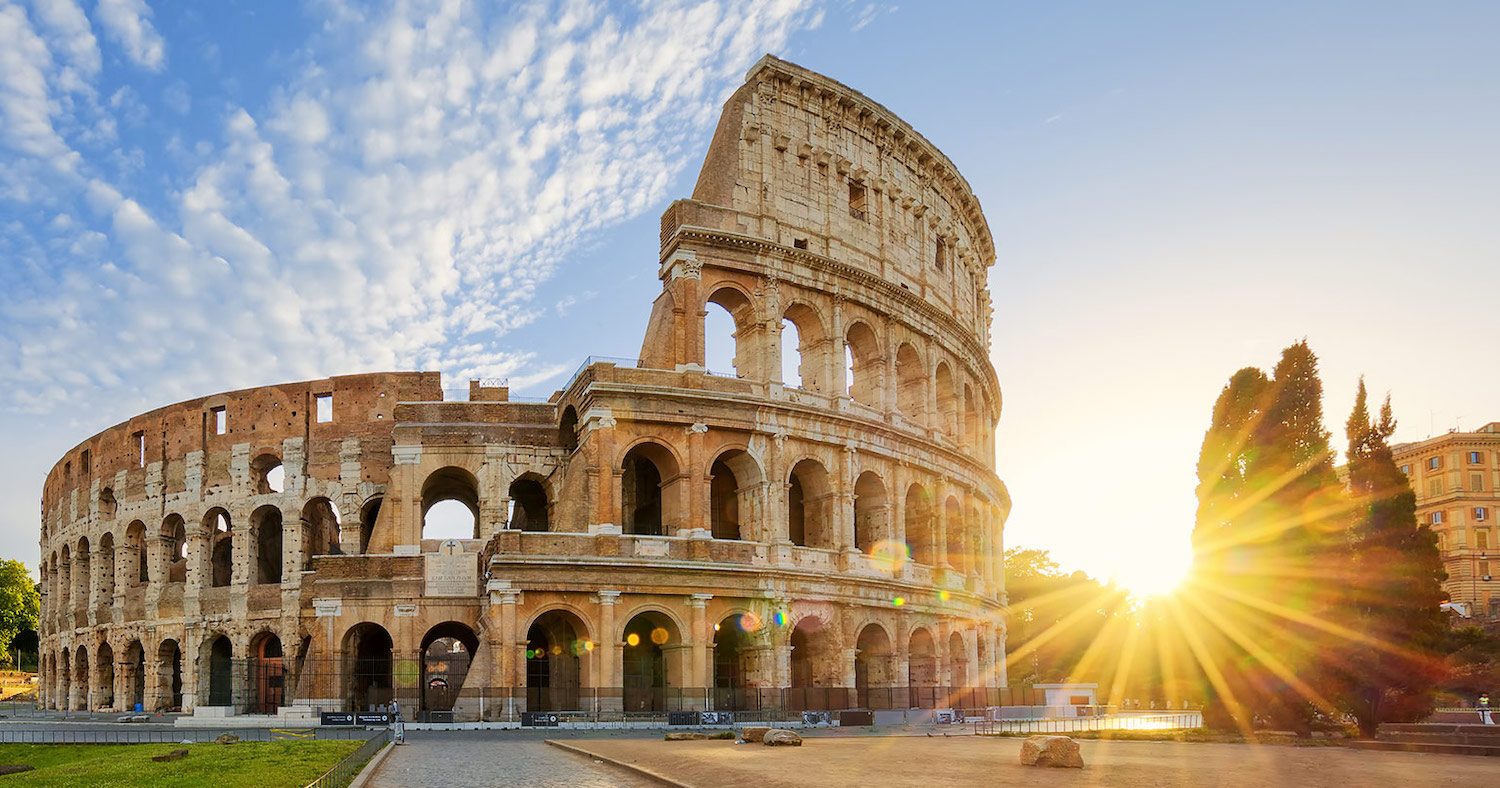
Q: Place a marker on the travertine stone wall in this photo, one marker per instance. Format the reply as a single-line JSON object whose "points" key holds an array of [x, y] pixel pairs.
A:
{"points": [[833, 542]]}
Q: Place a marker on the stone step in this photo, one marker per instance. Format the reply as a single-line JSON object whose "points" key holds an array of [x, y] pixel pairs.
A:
{"points": [[1439, 738], [1440, 727], [1432, 748]]}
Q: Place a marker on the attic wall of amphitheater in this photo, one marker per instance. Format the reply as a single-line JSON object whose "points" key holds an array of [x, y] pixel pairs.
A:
{"points": [[652, 536]]}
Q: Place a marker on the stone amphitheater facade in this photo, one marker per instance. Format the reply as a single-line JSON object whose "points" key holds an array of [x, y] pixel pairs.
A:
{"points": [[653, 536]]}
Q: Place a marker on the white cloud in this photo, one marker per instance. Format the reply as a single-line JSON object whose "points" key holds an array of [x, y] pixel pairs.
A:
{"points": [[128, 22], [395, 206], [68, 28]]}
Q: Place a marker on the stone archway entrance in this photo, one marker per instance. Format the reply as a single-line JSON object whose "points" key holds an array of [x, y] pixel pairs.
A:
{"points": [[218, 667], [647, 672], [267, 679], [731, 650], [556, 650], [169, 677], [368, 668], [447, 652]]}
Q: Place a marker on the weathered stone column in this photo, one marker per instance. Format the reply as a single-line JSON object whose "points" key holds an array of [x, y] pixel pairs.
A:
{"points": [[940, 551], [509, 676], [608, 648], [699, 682]]}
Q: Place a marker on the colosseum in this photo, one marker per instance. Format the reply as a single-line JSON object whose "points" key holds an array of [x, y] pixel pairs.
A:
{"points": [[653, 537]]}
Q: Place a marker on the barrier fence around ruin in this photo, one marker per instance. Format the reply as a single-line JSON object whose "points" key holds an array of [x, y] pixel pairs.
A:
{"points": [[95, 734]]}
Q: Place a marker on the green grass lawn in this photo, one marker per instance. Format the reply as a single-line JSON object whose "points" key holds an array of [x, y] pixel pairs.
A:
{"points": [[288, 764]]}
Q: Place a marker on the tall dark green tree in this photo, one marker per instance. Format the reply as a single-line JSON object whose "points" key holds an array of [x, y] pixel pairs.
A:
{"points": [[1268, 547], [1395, 588]]}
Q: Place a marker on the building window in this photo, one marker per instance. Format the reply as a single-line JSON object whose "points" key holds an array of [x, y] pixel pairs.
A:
{"points": [[1474, 458], [1437, 518], [140, 449], [1484, 569], [324, 408], [83, 464], [220, 418], [1482, 539], [1480, 514], [1434, 487], [1433, 463], [1476, 482], [859, 206], [1406, 469]]}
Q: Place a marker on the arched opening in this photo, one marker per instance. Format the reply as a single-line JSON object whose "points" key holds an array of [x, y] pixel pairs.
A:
{"points": [[567, 429], [81, 569], [804, 349], [919, 531], [556, 647], [65, 682], [872, 668], [268, 473], [647, 670], [955, 546], [134, 663], [958, 663], [450, 505], [220, 548], [447, 651], [169, 676], [174, 549], [733, 506], [320, 531], [83, 691], [265, 527], [862, 356], [731, 650], [971, 419], [727, 312], [107, 504], [947, 400], [367, 667], [911, 383], [816, 670], [65, 585], [217, 658], [922, 671], [106, 569], [369, 514], [872, 513], [809, 505], [528, 505], [649, 469], [104, 677], [138, 566], [267, 674]]}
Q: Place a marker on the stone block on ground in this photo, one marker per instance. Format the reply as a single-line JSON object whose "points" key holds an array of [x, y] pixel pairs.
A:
{"points": [[753, 733], [226, 738], [686, 736], [1060, 751], [15, 768], [175, 755], [777, 737]]}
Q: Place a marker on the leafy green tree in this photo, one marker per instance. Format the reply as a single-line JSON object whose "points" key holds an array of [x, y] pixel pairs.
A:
{"points": [[1268, 546], [1395, 588], [20, 602]]}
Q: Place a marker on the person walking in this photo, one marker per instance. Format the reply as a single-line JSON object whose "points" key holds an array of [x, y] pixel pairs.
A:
{"points": [[1484, 709]]}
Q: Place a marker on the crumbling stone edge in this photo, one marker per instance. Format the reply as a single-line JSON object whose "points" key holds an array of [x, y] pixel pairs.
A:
{"points": [[655, 777]]}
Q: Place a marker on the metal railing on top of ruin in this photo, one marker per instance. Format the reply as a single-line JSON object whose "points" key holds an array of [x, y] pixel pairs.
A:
{"points": [[619, 361]]}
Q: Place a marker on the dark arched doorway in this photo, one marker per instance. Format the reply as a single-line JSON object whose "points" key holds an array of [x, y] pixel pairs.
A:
{"points": [[731, 648], [646, 673], [872, 668], [267, 675], [218, 656], [447, 652], [368, 667], [169, 677], [556, 647]]}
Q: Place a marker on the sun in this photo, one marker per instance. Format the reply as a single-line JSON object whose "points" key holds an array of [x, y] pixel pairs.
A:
{"points": [[1150, 577]]}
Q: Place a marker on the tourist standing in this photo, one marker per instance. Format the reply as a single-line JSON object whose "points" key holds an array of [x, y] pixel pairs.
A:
{"points": [[1484, 709]]}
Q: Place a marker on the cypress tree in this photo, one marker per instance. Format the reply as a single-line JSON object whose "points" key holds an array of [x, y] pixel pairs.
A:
{"points": [[1396, 576]]}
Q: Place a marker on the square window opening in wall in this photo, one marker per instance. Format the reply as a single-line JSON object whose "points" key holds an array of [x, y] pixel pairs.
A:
{"points": [[325, 408], [859, 206], [220, 419], [83, 463], [941, 259], [1481, 514], [1437, 518], [1406, 469], [798, 243], [1433, 463], [140, 449], [1474, 458]]}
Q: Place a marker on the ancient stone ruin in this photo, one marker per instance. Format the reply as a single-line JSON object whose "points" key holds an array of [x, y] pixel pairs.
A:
{"points": [[653, 537]]}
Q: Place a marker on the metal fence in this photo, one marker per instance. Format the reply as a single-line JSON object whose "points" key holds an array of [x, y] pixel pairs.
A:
{"points": [[1159, 721], [345, 770], [127, 735]]}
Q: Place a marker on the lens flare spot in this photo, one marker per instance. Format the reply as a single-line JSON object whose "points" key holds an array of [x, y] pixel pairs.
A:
{"points": [[899, 601], [944, 596], [588, 645], [659, 636], [749, 622], [577, 647], [890, 554], [779, 618], [557, 651], [632, 640]]}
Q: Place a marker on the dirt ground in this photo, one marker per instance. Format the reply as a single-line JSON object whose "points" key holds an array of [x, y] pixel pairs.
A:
{"points": [[964, 761]]}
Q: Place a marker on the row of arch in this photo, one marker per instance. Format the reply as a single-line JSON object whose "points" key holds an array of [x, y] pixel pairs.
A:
{"points": [[892, 375], [173, 553]]}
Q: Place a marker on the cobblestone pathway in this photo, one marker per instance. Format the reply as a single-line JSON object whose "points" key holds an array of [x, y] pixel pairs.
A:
{"points": [[456, 760]]}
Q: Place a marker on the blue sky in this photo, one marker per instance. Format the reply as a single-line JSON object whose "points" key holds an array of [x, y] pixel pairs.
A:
{"points": [[196, 197]]}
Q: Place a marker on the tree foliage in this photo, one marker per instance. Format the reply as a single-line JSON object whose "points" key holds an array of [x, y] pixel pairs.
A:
{"points": [[20, 602], [1268, 546], [1395, 588]]}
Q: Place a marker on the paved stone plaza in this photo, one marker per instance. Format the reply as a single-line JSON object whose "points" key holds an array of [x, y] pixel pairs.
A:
{"points": [[482, 759]]}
